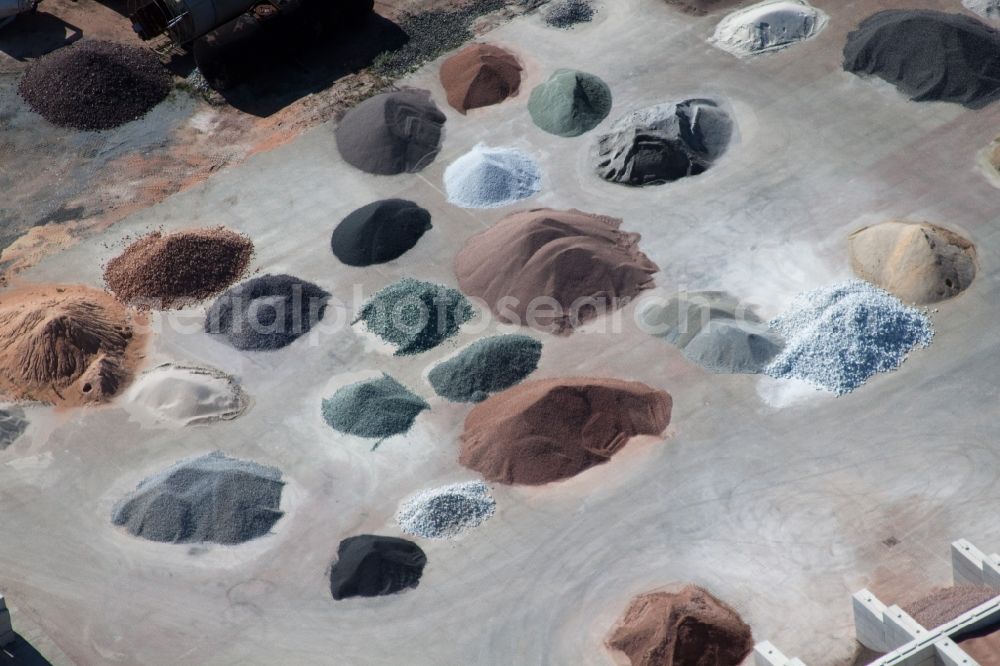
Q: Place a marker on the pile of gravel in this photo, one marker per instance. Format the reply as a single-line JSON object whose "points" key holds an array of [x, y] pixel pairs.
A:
{"points": [[567, 13], [986, 8], [486, 366], [570, 103], [373, 566], [488, 177], [374, 408], [664, 143], [212, 498], [266, 313], [415, 316], [446, 512], [837, 337], [944, 605], [12, 425], [379, 232], [171, 270], [95, 85]]}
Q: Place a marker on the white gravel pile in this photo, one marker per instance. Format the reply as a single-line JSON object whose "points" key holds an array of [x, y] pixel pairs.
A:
{"points": [[488, 177], [839, 336], [986, 8], [768, 26], [446, 512]]}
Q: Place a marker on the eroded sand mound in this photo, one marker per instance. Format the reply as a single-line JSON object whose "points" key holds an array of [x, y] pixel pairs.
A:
{"points": [[581, 260], [551, 429], [686, 628], [918, 262], [180, 396], [373, 566], [65, 345]]}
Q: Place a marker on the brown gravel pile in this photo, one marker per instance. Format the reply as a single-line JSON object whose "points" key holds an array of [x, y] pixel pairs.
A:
{"points": [[480, 75], [552, 429], [65, 344], [946, 604], [95, 85], [686, 628], [164, 271]]}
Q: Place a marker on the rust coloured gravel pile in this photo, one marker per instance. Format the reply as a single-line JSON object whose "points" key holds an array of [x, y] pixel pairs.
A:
{"points": [[946, 604]]}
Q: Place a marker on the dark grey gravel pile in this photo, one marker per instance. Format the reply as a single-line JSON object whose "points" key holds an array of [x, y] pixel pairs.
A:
{"points": [[373, 566], [95, 85], [415, 316], [375, 408], [486, 366], [567, 13], [211, 498], [12, 425], [268, 312]]}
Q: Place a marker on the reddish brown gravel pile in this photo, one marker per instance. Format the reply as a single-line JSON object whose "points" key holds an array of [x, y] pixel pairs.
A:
{"points": [[65, 344], [946, 604], [95, 85], [581, 260], [172, 270], [686, 628], [552, 429], [480, 75]]}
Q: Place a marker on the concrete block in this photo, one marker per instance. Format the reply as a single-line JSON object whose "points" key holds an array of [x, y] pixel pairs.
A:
{"points": [[765, 654], [950, 654]]}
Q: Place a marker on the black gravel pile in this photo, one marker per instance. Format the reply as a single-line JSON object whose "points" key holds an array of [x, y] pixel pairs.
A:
{"points": [[211, 498], [928, 55], [266, 313], [567, 13], [95, 85], [415, 316], [486, 366], [12, 425], [379, 232], [372, 566]]}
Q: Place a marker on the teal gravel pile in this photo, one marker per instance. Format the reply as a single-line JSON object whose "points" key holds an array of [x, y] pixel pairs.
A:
{"points": [[375, 408], [570, 103], [415, 316], [485, 367]]}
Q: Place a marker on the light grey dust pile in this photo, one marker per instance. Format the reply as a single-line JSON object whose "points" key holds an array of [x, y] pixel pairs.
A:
{"points": [[12, 425], [446, 512], [488, 177]]}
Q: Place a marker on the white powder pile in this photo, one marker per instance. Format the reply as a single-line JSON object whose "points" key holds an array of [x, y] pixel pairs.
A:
{"points": [[768, 26], [488, 177], [446, 512]]}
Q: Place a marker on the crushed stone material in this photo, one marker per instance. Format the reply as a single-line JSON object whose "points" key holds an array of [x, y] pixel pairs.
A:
{"points": [[266, 313], [568, 13], [582, 261], [686, 628], [178, 396], [838, 337], [375, 408], [664, 143], [13, 423], [486, 366], [373, 566], [379, 232], [551, 429], [986, 8], [488, 177], [95, 85], [917, 262], [446, 512], [768, 26], [415, 316], [212, 498], [392, 133], [928, 55], [480, 75], [570, 103], [161, 271], [946, 604]]}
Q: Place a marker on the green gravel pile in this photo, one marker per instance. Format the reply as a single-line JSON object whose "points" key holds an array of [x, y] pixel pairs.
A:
{"points": [[415, 316], [485, 367], [374, 408], [570, 103]]}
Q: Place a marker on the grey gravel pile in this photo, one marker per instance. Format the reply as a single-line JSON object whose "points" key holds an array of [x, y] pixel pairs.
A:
{"points": [[208, 499], [374, 408], [486, 366], [415, 316], [446, 512], [567, 13], [12, 425], [839, 336]]}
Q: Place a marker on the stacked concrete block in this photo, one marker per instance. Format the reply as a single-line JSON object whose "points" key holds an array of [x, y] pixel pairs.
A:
{"points": [[765, 654], [969, 566]]}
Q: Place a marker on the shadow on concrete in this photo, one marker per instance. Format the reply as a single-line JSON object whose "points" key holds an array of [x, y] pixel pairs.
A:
{"points": [[294, 70], [34, 34], [22, 653]]}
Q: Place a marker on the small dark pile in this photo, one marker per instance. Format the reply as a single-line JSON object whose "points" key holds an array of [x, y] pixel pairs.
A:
{"points": [[373, 566], [946, 604], [267, 312], [375, 408], [392, 133], [171, 270], [12, 425], [379, 232], [567, 13], [212, 498], [486, 366], [95, 85], [415, 316], [928, 55]]}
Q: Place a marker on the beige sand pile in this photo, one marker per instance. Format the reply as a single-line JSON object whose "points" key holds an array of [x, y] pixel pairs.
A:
{"points": [[686, 628], [65, 344], [174, 395], [918, 262], [946, 604]]}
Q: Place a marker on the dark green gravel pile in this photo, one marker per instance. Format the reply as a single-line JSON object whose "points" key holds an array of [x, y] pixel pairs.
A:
{"points": [[485, 367], [415, 316], [375, 408]]}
